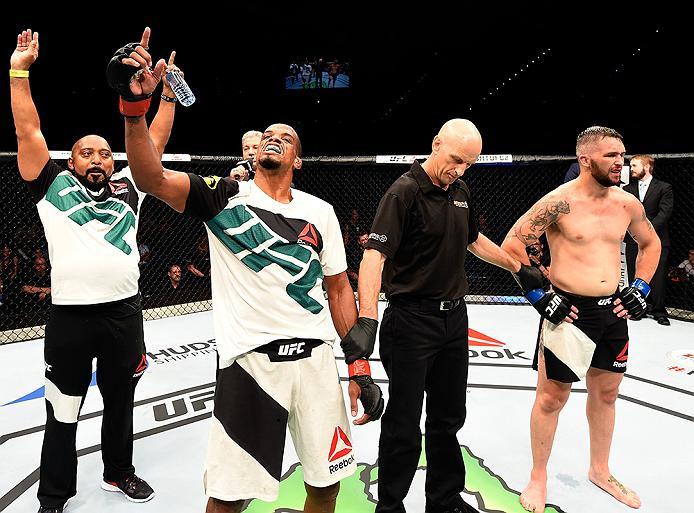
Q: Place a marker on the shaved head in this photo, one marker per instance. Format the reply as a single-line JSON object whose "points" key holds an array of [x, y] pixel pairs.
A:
{"points": [[94, 141], [455, 148], [291, 129], [460, 130]]}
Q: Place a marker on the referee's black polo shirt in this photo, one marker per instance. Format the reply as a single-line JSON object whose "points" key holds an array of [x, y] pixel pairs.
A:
{"points": [[424, 232]]}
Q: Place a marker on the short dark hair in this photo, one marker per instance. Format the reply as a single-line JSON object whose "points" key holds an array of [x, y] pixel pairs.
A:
{"points": [[594, 134]]}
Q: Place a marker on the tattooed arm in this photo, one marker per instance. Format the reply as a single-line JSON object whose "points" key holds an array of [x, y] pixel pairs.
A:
{"points": [[530, 227], [526, 233], [643, 233]]}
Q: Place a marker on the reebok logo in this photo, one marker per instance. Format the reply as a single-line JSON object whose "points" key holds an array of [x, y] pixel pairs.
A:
{"points": [[308, 235], [605, 301], [291, 349], [118, 188], [622, 357], [339, 447]]}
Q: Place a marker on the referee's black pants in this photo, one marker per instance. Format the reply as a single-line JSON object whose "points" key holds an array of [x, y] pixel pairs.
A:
{"points": [[422, 351], [75, 335]]}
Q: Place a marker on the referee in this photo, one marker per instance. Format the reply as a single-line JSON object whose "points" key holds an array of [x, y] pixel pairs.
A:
{"points": [[422, 229]]}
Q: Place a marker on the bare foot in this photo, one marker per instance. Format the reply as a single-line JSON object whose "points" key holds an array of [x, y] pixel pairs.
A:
{"points": [[534, 496], [616, 490]]}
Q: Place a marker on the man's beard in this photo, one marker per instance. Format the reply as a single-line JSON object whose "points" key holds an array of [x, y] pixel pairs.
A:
{"points": [[603, 180], [92, 186]]}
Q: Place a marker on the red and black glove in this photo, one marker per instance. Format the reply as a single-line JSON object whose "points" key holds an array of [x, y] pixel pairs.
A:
{"points": [[119, 76], [371, 396]]}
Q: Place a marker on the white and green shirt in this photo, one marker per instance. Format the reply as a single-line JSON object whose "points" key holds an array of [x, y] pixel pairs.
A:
{"points": [[91, 240], [267, 260]]}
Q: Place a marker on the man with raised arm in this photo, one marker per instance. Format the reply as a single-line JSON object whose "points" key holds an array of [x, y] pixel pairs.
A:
{"points": [[585, 221], [90, 215], [271, 249]]}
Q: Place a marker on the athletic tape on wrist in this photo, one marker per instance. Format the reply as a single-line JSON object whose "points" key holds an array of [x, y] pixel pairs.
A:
{"points": [[641, 286], [134, 109], [535, 295], [359, 368]]}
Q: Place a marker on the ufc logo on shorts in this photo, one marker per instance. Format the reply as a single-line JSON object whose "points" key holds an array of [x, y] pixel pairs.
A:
{"points": [[291, 349], [606, 301], [553, 305]]}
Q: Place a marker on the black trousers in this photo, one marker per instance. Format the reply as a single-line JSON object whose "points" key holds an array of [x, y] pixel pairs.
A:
{"points": [[656, 299], [75, 335], [422, 351]]}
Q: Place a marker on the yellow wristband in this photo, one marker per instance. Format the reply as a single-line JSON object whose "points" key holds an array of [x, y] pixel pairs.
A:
{"points": [[19, 73]]}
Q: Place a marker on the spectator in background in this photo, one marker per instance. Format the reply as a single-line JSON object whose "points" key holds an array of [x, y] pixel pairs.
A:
{"points": [[9, 264], [658, 202], [198, 263], [686, 268], [354, 256], [174, 274], [249, 148], [145, 255], [354, 225], [38, 282], [175, 290], [9, 268], [572, 172]]}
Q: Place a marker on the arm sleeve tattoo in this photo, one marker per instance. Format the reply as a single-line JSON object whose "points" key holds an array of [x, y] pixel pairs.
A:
{"points": [[532, 225]]}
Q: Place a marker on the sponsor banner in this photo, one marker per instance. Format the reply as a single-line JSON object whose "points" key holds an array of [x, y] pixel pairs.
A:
{"points": [[409, 159]]}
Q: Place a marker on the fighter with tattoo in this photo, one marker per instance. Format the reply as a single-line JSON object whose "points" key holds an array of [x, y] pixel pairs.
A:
{"points": [[585, 221]]}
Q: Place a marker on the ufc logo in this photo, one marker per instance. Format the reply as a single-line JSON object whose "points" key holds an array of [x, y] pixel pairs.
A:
{"points": [[291, 349], [606, 301], [553, 305]]}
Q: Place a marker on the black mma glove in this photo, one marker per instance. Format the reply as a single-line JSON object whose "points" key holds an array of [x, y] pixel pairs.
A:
{"points": [[371, 396], [119, 76], [359, 341], [552, 306], [634, 298]]}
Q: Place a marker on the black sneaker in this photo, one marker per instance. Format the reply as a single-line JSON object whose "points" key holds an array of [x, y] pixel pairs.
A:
{"points": [[59, 509], [134, 488]]}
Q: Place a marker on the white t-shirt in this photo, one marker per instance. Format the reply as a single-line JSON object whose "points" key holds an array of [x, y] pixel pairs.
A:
{"points": [[267, 261], [91, 240]]}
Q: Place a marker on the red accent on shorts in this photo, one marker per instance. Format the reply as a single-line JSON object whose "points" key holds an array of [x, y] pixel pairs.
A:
{"points": [[623, 356], [332, 455]]}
